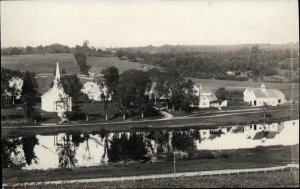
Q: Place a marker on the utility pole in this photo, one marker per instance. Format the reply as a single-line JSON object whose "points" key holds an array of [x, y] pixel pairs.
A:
{"points": [[174, 164]]}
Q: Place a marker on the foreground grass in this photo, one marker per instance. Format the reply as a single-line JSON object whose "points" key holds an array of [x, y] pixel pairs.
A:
{"points": [[255, 180], [234, 159]]}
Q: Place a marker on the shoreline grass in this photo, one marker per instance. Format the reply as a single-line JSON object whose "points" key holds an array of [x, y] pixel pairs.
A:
{"points": [[236, 159], [253, 180]]}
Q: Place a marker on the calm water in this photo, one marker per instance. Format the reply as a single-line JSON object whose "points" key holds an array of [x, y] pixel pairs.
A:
{"points": [[70, 150]]}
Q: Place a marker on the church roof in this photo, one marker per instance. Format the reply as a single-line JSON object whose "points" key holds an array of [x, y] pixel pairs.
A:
{"points": [[55, 92]]}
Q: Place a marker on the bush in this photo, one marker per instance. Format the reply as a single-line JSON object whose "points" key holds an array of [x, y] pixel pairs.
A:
{"points": [[16, 116], [225, 155]]}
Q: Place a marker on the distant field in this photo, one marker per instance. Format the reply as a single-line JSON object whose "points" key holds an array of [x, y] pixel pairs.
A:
{"points": [[291, 90], [100, 63], [46, 64], [40, 63]]}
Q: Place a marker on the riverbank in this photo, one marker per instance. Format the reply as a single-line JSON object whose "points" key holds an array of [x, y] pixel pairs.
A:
{"points": [[225, 159], [202, 121]]}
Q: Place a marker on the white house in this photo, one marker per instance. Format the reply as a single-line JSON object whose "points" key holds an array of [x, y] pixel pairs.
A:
{"points": [[208, 99], [56, 100], [94, 90], [259, 96]]}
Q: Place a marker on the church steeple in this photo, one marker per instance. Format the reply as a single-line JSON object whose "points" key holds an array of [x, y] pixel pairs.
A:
{"points": [[57, 75]]}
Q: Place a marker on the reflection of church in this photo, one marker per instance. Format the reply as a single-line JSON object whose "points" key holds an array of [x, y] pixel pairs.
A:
{"points": [[56, 100]]}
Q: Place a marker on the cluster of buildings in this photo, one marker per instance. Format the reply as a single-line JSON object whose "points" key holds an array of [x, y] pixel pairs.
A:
{"points": [[56, 100]]}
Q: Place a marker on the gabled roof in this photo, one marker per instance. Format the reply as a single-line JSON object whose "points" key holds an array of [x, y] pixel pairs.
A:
{"points": [[212, 97], [258, 136], [55, 92], [259, 93], [271, 134]]}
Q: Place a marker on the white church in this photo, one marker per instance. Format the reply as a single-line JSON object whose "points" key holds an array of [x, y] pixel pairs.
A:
{"points": [[56, 100]]}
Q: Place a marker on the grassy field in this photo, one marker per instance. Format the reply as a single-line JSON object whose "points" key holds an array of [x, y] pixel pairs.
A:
{"points": [[234, 159], [41, 63], [255, 180], [100, 63], [291, 90]]}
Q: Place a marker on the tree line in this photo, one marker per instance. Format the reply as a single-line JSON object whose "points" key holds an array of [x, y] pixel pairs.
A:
{"points": [[50, 49], [254, 61]]}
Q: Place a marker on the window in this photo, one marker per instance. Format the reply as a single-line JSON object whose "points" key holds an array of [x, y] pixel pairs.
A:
{"points": [[255, 127], [279, 101], [254, 102]]}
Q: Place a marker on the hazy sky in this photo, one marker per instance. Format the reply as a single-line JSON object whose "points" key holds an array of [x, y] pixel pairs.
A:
{"points": [[134, 23]]}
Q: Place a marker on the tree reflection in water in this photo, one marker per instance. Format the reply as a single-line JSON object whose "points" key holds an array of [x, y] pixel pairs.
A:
{"points": [[66, 153], [10, 155], [183, 140], [128, 146], [28, 148]]}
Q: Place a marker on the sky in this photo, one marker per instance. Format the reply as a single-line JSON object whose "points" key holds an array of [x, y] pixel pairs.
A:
{"points": [[142, 23]]}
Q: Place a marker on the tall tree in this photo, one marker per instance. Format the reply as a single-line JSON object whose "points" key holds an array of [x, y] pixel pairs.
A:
{"points": [[29, 94], [72, 86], [131, 90], [111, 76], [81, 59]]}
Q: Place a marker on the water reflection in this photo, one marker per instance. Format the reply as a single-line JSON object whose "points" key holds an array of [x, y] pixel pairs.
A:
{"points": [[74, 150]]}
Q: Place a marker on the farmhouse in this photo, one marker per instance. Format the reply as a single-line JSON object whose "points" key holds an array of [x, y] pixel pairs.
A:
{"points": [[56, 100], [208, 99], [95, 91], [259, 96]]}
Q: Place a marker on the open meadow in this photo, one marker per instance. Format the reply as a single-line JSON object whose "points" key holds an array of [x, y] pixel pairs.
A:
{"points": [[99, 63], [41, 63]]}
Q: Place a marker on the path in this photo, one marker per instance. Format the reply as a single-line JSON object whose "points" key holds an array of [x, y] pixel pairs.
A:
{"points": [[162, 176], [141, 121]]}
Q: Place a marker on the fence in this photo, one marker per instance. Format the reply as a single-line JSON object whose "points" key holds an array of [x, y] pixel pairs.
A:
{"points": [[290, 167]]}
